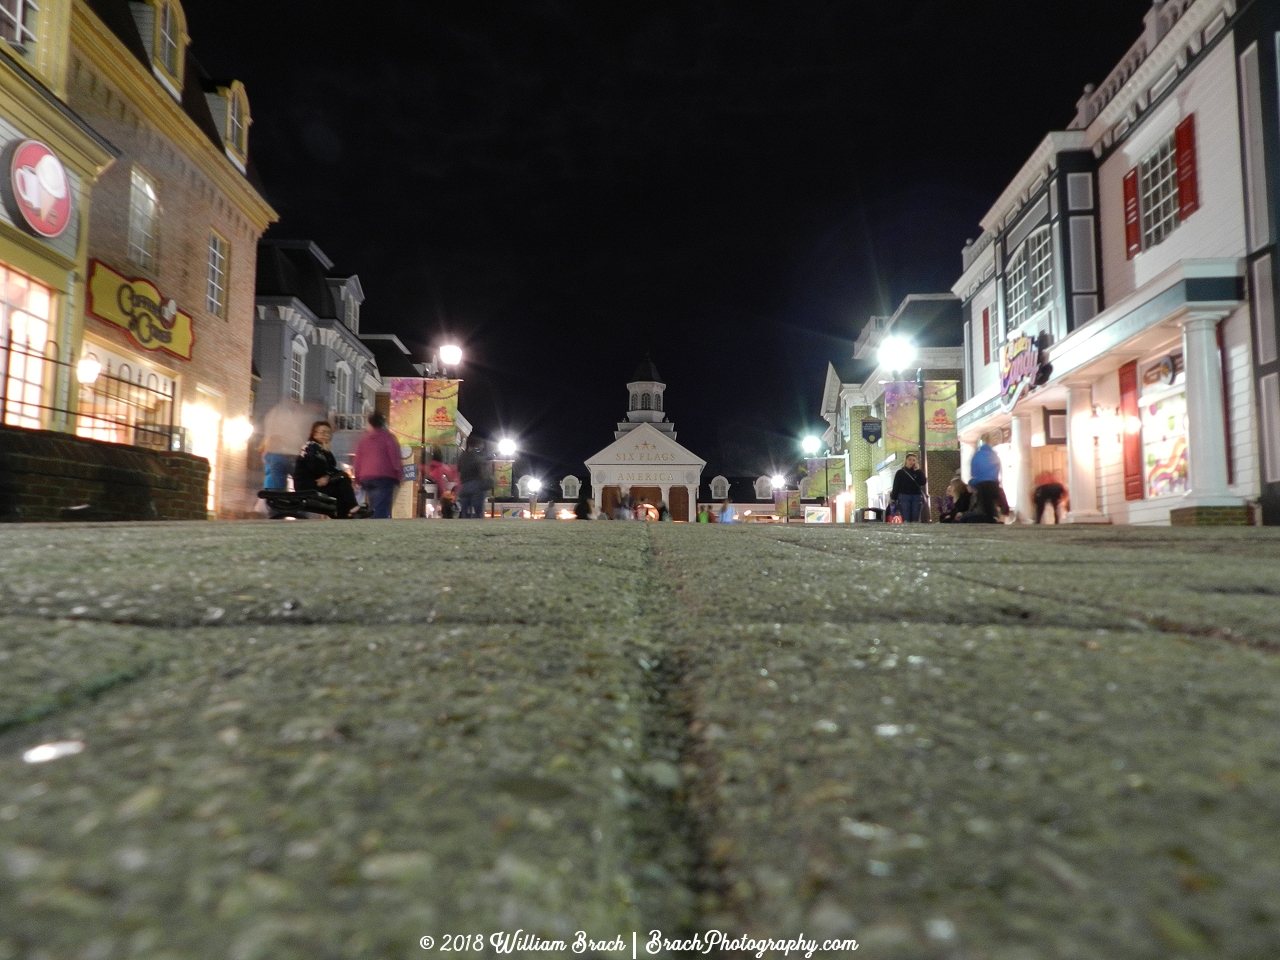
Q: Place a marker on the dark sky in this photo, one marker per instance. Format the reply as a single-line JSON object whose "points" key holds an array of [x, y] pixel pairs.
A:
{"points": [[731, 186]]}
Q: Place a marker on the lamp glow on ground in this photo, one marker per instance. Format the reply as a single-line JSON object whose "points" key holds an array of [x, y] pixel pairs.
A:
{"points": [[896, 353]]}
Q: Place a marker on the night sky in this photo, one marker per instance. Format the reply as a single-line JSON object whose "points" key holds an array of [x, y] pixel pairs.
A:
{"points": [[732, 187]]}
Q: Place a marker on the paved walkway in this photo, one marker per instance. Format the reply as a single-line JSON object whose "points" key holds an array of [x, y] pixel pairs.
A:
{"points": [[317, 740]]}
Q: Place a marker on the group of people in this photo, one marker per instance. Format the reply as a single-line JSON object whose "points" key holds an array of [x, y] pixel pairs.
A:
{"points": [[627, 508], [981, 500], [377, 469]]}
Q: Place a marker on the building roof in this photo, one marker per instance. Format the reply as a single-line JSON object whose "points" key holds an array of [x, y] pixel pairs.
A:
{"points": [[117, 17], [646, 371], [297, 268], [393, 357]]}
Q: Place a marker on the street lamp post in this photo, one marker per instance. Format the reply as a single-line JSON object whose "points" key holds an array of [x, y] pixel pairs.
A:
{"points": [[812, 445], [898, 354], [506, 448], [534, 486]]}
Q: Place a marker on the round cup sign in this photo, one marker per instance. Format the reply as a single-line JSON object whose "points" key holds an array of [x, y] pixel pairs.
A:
{"points": [[41, 189]]}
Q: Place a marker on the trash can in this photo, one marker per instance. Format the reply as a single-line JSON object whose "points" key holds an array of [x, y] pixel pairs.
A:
{"points": [[869, 515]]}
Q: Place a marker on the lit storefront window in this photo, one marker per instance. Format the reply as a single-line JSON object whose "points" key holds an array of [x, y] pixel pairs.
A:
{"points": [[1163, 407], [24, 335], [125, 401], [204, 428]]}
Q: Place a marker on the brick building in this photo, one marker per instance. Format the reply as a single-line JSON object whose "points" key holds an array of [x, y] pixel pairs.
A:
{"points": [[172, 242]]}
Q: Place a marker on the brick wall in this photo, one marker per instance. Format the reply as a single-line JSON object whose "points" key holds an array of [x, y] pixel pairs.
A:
{"points": [[191, 206], [42, 473]]}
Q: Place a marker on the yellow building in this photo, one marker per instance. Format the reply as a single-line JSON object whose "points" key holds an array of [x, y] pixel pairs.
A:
{"points": [[51, 159]]}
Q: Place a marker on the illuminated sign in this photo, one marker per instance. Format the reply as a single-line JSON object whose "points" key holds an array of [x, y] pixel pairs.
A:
{"points": [[1020, 369], [136, 306], [41, 188]]}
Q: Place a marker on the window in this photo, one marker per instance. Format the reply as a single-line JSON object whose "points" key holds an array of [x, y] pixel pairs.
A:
{"points": [[1016, 294], [657, 401], [646, 402], [719, 489], [170, 37], [297, 369], [25, 312], [215, 298], [635, 401], [1158, 193], [235, 124], [1029, 284], [342, 390], [19, 20], [144, 204], [1040, 268]]}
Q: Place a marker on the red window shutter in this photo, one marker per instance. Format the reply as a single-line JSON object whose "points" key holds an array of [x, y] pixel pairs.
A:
{"points": [[986, 336], [1132, 216], [1132, 441], [1185, 152]]}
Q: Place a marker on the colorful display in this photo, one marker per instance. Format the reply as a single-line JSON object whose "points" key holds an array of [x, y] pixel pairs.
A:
{"points": [[902, 418], [827, 476], [1164, 445], [424, 412], [502, 470]]}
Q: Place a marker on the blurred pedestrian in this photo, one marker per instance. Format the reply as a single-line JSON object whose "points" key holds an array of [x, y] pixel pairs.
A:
{"points": [[984, 478], [475, 484], [284, 431], [726, 514], [1049, 492], [378, 466], [625, 510], [664, 513], [961, 502], [584, 509], [908, 489], [704, 514], [550, 512]]}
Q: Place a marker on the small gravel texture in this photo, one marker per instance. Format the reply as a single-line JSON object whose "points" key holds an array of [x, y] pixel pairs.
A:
{"points": [[331, 739]]}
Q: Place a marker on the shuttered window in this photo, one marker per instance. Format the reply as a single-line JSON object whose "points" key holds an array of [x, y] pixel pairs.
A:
{"points": [[986, 336], [1162, 191]]}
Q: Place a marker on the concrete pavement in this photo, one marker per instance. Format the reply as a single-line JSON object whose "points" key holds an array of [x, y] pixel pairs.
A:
{"points": [[332, 739]]}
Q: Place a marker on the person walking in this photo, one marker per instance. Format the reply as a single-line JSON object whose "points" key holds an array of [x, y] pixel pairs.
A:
{"points": [[584, 509], [474, 485], [378, 466], [908, 489]]}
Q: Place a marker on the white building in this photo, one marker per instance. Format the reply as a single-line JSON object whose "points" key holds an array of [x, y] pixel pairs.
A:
{"points": [[644, 459], [1119, 310]]}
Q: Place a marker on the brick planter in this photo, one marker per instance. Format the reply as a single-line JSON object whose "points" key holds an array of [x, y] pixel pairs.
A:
{"points": [[43, 475]]}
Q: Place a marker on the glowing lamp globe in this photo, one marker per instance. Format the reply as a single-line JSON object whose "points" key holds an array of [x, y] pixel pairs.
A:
{"points": [[810, 444], [450, 355], [506, 447], [897, 353], [778, 481], [535, 485]]}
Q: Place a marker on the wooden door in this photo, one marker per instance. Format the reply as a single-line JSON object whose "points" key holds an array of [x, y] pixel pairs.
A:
{"points": [[679, 504], [609, 498], [647, 494]]}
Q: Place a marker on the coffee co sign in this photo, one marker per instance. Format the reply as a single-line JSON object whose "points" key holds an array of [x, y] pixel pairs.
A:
{"points": [[40, 189], [136, 306]]}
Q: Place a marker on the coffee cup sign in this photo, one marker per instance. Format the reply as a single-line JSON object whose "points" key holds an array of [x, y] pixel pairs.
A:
{"points": [[41, 189]]}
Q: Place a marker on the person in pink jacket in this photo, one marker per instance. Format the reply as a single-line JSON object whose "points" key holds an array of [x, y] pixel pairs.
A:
{"points": [[378, 469]]}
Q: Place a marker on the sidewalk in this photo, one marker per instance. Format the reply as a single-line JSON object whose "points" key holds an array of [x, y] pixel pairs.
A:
{"points": [[1002, 743]]}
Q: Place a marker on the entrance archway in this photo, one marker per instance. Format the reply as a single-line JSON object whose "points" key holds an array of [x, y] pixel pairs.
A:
{"points": [[651, 495], [679, 504]]}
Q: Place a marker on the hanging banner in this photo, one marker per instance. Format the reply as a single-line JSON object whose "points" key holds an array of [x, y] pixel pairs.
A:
{"points": [[405, 419], [1019, 366], [786, 504], [872, 430], [502, 470], [442, 412], [902, 420], [826, 476]]}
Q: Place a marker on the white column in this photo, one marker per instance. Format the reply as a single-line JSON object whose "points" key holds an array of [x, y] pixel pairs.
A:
{"points": [[1206, 418], [1020, 495], [666, 495], [1082, 482], [967, 451], [693, 502]]}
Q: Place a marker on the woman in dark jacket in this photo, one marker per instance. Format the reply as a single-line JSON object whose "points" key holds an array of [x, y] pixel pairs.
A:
{"points": [[317, 469]]}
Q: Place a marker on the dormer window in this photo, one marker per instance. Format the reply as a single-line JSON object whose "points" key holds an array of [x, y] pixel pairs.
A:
{"points": [[167, 33], [235, 125], [19, 23]]}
